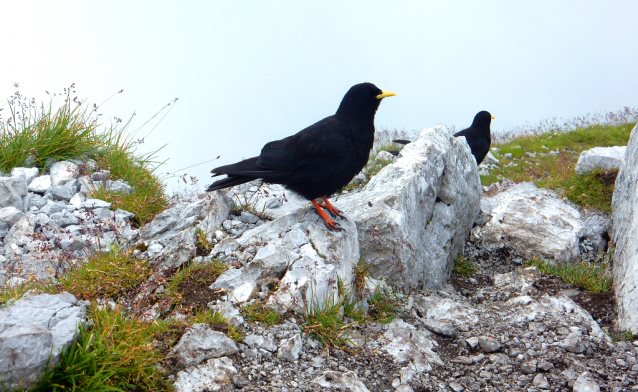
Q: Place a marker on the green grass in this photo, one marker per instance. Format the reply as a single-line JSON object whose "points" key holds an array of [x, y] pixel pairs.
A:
{"points": [[200, 273], [115, 354], [105, 275], [71, 131], [558, 172], [258, 312], [593, 277], [326, 324], [383, 307], [463, 267], [218, 322]]}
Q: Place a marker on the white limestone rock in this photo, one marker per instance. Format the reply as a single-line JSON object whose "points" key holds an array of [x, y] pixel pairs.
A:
{"points": [[40, 184], [290, 348], [534, 222], [33, 330], [600, 158], [414, 216], [624, 234], [341, 381], [29, 173], [213, 376], [10, 215], [215, 210], [201, 343], [12, 190], [63, 172]]}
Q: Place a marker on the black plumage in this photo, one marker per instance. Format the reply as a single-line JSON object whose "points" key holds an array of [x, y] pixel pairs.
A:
{"points": [[478, 135], [320, 159]]}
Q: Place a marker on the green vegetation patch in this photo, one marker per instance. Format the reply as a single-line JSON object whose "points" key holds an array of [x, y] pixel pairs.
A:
{"points": [[558, 171], [463, 266], [593, 277], [36, 135], [105, 275], [114, 354], [258, 312]]}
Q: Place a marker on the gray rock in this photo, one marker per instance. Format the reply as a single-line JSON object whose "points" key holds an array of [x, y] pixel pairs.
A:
{"points": [[64, 218], [119, 187], [533, 222], [385, 156], [201, 343], [33, 330], [63, 172], [596, 230], [413, 217], [10, 215], [172, 221], [575, 342], [40, 184], [77, 200], [216, 208], [21, 232], [507, 155], [442, 327], [406, 344], [290, 348], [60, 192], [212, 376], [491, 159], [586, 383], [52, 207], [34, 200], [102, 175], [540, 381], [178, 250], [489, 344], [600, 158], [529, 367], [28, 173], [247, 217], [12, 190], [623, 235], [342, 381], [95, 203]]}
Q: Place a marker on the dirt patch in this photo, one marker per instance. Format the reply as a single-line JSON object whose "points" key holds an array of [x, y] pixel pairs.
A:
{"points": [[195, 292], [602, 307], [552, 285], [607, 177]]}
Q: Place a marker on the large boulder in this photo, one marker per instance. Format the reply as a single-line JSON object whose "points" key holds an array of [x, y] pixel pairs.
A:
{"points": [[625, 237], [534, 222], [414, 216], [600, 158], [32, 332], [299, 252]]}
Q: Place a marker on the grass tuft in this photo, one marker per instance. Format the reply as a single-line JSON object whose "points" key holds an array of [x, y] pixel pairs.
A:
{"points": [[463, 266], [258, 312], [593, 277], [105, 275], [116, 354]]}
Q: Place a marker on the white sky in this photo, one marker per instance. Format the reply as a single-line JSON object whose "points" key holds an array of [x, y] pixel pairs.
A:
{"points": [[248, 72]]}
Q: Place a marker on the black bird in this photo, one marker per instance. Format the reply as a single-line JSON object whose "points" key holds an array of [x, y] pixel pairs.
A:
{"points": [[320, 159], [478, 135]]}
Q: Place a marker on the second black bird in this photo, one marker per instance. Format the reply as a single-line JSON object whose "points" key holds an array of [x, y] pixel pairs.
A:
{"points": [[320, 159], [478, 135]]}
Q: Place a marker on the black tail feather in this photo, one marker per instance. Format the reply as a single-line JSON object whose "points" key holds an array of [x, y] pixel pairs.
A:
{"points": [[228, 182]]}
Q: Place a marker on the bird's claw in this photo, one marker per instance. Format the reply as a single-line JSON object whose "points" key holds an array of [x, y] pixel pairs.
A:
{"points": [[332, 210], [332, 225]]}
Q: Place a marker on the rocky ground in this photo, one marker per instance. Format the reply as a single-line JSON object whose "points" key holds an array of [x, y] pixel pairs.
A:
{"points": [[507, 328]]}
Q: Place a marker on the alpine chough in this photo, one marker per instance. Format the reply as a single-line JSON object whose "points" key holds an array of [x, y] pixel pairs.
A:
{"points": [[478, 135], [320, 159]]}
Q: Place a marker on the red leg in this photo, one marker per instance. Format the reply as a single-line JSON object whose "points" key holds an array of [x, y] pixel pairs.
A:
{"points": [[332, 209], [329, 222]]}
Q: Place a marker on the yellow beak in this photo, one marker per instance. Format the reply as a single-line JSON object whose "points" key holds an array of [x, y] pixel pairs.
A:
{"points": [[385, 94], [493, 117]]}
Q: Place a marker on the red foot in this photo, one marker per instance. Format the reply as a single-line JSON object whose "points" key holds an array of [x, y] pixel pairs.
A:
{"points": [[330, 208], [329, 222]]}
